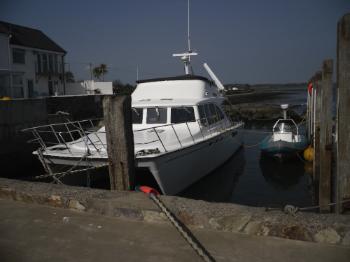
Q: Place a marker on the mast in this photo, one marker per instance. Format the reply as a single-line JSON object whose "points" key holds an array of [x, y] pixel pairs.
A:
{"points": [[186, 57]]}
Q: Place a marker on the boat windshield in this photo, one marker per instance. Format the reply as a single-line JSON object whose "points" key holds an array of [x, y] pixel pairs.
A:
{"points": [[284, 127]]}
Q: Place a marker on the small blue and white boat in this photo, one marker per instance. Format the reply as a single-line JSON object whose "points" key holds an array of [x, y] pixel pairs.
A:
{"points": [[285, 139]]}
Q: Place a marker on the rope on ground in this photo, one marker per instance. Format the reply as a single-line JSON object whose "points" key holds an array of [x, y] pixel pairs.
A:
{"points": [[183, 230], [292, 210]]}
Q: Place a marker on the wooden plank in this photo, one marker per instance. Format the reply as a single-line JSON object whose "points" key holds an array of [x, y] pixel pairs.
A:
{"points": [[324, 195], [120, 141], [343, 111], [317, 115]]}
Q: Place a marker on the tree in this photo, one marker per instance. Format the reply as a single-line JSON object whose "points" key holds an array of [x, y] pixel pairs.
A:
{"points": [[69, 77], [122, 89], [99, 71]]}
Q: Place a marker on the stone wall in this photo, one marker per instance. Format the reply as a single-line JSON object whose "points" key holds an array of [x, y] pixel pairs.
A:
{"points": [[305, 226]]}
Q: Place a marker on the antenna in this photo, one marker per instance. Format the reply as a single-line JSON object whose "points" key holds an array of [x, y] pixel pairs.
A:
{"points": [[186, 57], [188, 26]]}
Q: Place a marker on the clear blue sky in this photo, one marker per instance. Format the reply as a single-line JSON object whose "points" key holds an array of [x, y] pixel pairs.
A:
{"points": [[247, 41]]}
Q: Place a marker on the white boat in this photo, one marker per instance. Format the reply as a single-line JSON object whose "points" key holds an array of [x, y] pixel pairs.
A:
{"points": [[285, 140], [181, 132]]}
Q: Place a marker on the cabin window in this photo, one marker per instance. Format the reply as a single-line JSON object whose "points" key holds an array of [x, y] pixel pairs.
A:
{"points": [[202, 116], [214, 115], [137, 114], [219, 113], [182, 115], [209, 115], [18, 56], [156, 115]]}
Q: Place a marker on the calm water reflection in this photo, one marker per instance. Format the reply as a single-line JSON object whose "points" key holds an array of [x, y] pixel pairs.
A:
{"points": [[252, 179]]}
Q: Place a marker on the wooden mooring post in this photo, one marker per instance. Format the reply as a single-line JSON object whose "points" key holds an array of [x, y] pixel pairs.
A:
{"points": [[120, 141], [316, 124], [343, 112], [325, 137]]}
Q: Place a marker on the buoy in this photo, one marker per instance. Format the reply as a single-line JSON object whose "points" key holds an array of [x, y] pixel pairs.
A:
{"points": [[309, 154]]}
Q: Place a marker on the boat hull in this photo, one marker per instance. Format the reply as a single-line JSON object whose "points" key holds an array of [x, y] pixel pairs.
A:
{"points": [[179, 169], [282, 148], [176, 170]]}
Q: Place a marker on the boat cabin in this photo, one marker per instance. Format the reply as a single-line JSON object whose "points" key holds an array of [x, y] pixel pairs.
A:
{"points": [[174, 100]]}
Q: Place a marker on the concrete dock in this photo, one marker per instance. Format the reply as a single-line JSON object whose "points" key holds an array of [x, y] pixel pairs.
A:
{"points": [[41, 222], [31, 232]]}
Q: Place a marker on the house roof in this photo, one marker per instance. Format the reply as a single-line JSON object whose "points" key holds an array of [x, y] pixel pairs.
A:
{"points": [[29, 37]]}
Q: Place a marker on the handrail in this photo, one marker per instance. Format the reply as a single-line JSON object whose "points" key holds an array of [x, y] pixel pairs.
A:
{"points": [[69, 133]]}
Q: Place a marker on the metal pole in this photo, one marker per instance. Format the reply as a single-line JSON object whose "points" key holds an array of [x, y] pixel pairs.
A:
{"points": [[10, 68], [188, 28]]}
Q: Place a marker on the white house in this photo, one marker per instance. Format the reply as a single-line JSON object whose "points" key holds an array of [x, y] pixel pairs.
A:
{"points": [[89, 87], [31, 64]]}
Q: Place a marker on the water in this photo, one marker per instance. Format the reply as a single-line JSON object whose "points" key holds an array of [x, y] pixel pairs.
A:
{"points": [[249, 178], [246, 178]]}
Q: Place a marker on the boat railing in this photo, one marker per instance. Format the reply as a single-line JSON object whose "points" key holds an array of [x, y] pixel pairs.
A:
{"points": [[191, 133], [89, 133], [63, 133]]}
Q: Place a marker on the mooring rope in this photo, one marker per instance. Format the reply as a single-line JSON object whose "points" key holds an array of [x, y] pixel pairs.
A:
{"points": [[292, 210], [70, 170], [179, 226]]}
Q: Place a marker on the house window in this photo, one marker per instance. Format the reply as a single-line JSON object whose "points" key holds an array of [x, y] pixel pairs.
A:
{"points": [[59, 64], [39, 66], [44, 56], [18, 56], [55, 61], [51, 91], [50, 63], [17, 86], [182, 115], [156, 115], [4, 85]]}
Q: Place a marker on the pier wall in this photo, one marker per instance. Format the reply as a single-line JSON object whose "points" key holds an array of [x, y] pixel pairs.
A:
{"points": [[226, 217]]}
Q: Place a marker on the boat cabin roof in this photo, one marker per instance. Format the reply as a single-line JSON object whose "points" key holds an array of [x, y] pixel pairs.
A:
{"points": [[168, 102], [179, 88], [171, 78]]}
